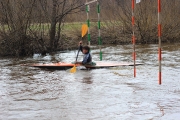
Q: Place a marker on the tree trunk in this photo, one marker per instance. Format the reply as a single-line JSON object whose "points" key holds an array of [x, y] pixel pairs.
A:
{"points": [[53, 26]]}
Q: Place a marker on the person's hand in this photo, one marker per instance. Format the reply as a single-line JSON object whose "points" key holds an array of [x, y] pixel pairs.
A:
{"points": [[80, 43]]}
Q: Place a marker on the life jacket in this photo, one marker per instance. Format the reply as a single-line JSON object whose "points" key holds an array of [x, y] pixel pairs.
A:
{"points": [[87, 59]]}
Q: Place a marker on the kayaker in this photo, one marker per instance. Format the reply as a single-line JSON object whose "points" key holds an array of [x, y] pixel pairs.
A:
{"points": [[87, 59]]}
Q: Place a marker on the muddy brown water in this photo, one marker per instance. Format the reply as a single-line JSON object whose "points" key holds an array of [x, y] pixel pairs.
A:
{"points": [[28, 93]]}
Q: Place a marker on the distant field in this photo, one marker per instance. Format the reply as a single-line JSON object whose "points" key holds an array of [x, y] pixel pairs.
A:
{"points": [[66, 28]]}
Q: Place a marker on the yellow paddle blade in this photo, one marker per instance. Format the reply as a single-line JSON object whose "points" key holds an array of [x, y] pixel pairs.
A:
{"points": [[84, 30], [73, 70]]}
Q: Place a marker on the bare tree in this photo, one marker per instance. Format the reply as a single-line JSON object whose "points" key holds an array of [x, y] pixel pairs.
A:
{"points": [[146, 21], [22, 33], [60, 9]]}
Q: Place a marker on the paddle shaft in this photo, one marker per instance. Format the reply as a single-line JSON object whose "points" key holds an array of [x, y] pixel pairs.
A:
{"points": [[84, 31], [78, 52]]}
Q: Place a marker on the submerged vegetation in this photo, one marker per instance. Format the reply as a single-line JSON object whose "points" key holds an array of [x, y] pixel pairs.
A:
{"points": [[31, 26]]}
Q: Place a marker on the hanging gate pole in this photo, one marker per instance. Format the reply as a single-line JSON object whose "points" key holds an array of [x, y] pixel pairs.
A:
{"points": [[99, 30], [133, 37], [159, 37], [88, 23], [99, 25]]}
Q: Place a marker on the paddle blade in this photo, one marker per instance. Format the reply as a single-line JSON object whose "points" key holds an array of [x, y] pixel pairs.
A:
{"points": [[73, 70], [84, 30]]}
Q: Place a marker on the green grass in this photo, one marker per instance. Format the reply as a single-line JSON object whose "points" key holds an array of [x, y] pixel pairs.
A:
{"points": [[67, 28]]}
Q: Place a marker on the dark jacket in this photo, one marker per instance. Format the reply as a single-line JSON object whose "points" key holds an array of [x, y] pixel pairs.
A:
{"points": [[87, 59]]}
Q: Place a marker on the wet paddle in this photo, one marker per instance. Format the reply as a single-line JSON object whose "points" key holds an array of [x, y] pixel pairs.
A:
{"points": [[84, 30]]}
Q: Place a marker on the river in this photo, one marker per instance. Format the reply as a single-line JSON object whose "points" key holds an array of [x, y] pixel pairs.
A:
{"points": [[28, 93]]}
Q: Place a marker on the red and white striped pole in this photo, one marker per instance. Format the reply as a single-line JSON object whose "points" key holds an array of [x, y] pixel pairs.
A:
{"points": [[159, 37], [133, 37]]}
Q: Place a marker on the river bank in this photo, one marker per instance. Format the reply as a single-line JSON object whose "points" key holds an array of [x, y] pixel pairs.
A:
{"points": [[27, 45]]}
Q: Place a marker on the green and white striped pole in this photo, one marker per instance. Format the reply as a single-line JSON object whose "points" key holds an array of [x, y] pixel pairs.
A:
{"points": [[99, 25], [99, 30], [88, 23]]}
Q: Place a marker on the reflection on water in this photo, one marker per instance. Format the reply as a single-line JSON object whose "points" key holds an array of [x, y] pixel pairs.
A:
{"points": [[33, 93]]}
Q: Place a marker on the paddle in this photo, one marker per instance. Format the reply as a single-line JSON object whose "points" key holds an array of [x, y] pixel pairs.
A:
{"points": [[84, 30]]}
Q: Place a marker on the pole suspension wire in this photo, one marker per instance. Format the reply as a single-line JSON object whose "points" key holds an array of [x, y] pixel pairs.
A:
{"points": [[87, 3]]}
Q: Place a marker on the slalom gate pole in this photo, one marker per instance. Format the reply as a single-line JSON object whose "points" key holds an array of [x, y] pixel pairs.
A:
{"points": [[159, 37], [99, 25], [133, 37], [99, 30], [88, 23]]}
